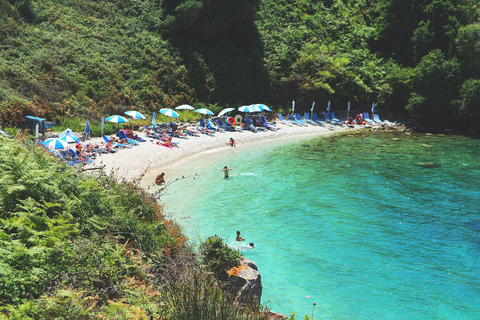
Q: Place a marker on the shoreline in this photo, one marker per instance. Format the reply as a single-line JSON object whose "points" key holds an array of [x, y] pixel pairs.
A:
{"points": [[146, 159]]}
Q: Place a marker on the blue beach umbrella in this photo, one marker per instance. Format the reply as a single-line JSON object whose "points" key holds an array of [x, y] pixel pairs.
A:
{"points": [[373, 108], [117, 119], [55, 143], [348, 109], [169, 112], [293, 107], [103, 124], [311, 110], [246, 109], [263, 107], [328, 108]]}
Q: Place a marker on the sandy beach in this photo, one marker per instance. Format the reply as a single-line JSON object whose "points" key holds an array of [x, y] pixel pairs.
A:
{"points": [[147, 159]]}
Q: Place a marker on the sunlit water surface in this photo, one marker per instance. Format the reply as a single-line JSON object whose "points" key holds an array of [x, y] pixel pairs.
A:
{"points": [[367, 226]]}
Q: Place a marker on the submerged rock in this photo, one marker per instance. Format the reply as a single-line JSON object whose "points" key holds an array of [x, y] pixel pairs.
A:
{"points": [[428, 165]]}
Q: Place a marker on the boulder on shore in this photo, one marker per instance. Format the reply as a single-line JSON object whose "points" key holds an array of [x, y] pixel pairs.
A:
{"points": [[245, 283]]}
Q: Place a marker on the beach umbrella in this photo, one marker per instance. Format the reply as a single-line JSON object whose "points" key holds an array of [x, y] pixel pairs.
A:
{"points": [[169, 112], [311, 110], [204, 111], [348, 110], [68, 139], [55, 143], [87, 128], [328, 108], [135, 114], [373, 107], [262, 107], [185, 107], [103, 124], [249, 108], [293, 107], [117, 119], [69, 133], [225, 111], [256, 108], [153, 118]]}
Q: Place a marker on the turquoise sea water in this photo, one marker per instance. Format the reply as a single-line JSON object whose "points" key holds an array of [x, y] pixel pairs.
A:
{"points": [[366, 225]]}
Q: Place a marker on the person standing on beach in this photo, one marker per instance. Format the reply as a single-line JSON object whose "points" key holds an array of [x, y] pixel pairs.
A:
{"points": [[225, 171]]}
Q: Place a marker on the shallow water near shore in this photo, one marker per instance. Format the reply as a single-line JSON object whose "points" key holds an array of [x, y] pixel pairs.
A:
{"points": [[366, 225]]}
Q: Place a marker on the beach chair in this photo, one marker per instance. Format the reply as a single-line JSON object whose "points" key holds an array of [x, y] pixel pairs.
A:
{"points": [[292, 118], [366, 117], [307, 118], [334, 119], [299, 119], [225, 126], [250, 125], [327, 118], [122, 135], [268, 125], [376, 118], [317, 119], [280, 117]]}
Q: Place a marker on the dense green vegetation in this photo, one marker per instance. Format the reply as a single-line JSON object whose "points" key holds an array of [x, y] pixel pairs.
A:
{"points": [[76, 245], [89, 58]]}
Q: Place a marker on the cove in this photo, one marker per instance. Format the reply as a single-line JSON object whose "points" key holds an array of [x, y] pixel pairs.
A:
{"points": [[366, 225]]}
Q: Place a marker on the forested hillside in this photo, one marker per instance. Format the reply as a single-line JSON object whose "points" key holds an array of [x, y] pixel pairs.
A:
{"points": [[89, 58]]}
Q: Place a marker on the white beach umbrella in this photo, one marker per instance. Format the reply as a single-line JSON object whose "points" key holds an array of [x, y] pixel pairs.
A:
{"points": [[263, 107], [225, 111], [249, 108], [204, 111], [328, 108], [293, 107], [169, 112], [185, 107]]}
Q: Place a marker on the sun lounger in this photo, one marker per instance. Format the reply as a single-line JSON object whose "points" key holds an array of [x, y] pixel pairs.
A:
{"points": [[292, 118], [122, 135], [327, 118], [224, 126], [366, 117], [307, 118], [267, 125], [334, 119], [316, 119], [280, 117], [376, 118], [299, 119]]}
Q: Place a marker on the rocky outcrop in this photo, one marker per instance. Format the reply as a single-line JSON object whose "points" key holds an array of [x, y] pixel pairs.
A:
{"points": [[245, 283]]}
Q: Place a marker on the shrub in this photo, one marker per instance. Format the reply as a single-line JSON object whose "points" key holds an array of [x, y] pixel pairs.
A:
{"points": [[218, 256]]}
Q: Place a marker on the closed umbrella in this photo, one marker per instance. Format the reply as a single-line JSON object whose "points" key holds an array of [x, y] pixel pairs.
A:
{"points": [[55, 143], [87, 129], [328, 108], [313, 106], [293, 107], [348, 110], [169, 113], [373, 108], [153, 118], [103, 124]]}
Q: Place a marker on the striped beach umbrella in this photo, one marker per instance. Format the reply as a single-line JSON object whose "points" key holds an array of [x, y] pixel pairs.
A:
{"points": [[117, 119], [169, 113], [55, 143]]}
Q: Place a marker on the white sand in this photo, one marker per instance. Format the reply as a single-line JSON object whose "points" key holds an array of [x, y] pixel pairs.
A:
{"points": [[146, 159]]}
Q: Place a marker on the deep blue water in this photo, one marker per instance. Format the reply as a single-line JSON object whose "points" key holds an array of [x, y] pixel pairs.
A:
{"points": [[366, 225]]}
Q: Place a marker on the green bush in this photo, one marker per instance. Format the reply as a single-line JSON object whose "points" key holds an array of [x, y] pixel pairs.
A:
{"points": [[218, 256]]}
